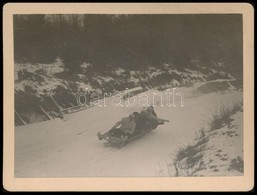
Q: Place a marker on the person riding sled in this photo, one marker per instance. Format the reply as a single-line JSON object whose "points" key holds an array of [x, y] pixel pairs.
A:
{"points": [[147, 119], [122, 129]]}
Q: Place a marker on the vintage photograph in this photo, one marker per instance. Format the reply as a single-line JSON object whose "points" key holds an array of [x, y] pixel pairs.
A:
{"points": [[102, 95], [114, 95]]}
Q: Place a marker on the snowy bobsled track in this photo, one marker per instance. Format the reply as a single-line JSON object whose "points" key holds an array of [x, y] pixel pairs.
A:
{"points": [[70, 148]]}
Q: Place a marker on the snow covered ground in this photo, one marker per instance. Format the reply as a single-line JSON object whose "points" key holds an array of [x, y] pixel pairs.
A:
{"points": [[39, 88], [213, 152], [225, 154], [70, 148]]}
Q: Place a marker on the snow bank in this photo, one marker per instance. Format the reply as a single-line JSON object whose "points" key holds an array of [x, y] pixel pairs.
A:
{"points": [[217, 152], [42, 80]]}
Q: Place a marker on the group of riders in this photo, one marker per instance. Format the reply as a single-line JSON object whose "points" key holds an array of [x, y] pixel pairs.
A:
{"points": [[134, 124]]}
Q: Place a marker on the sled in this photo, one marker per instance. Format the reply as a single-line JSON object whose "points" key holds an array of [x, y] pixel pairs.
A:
{"points": [[111, 140], [120, 142]]}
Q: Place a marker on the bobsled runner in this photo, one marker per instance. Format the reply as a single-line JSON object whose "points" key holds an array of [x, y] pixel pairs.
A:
{"points": [[119, 142]]}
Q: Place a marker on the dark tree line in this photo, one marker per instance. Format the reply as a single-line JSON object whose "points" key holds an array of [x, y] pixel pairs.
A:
{"points": [[129, 41]]}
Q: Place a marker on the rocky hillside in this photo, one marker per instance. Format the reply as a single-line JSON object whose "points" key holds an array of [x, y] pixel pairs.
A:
{"points": [[47, 91]]}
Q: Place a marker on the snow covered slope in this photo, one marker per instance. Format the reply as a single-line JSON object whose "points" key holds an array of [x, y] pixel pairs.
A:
{"points": [[43, 91], [70, 148], [215, 152]]}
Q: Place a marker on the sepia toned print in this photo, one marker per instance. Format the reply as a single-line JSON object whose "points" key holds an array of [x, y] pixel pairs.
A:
{"points": [[105, 95]]}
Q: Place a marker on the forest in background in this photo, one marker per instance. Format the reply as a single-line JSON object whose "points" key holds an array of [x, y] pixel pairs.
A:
{"points": [[131, 42]]}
